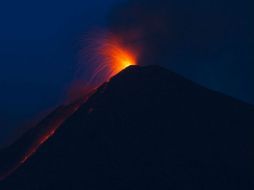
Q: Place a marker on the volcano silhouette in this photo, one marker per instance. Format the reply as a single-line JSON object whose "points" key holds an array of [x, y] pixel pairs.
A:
{"points": [[147, 128]]}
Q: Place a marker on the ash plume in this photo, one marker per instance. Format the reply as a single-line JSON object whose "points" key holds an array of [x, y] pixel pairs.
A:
{"points": [[198, 30], [210, 41]]}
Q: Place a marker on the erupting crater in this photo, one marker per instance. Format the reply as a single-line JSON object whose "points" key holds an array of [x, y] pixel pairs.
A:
{"points": [[111, 56]]}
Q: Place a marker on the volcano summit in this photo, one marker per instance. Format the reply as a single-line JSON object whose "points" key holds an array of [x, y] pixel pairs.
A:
{"points": [[147, 128]]}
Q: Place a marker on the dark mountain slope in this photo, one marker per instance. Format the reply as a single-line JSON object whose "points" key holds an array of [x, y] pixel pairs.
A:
{"points": [[14, 155], [148, 128]]}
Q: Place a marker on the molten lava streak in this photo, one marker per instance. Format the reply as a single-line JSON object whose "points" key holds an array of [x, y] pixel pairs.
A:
{"points": [[40, 134]]}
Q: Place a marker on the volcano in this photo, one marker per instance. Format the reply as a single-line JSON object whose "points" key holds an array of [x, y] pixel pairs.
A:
{"points": [[147, 128]]}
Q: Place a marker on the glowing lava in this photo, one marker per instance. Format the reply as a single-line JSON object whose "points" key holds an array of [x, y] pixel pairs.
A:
{"points": [[116, 56], [41, 134], [111, 55]]}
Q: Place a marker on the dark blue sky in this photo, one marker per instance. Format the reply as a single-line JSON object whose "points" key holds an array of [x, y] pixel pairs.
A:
{"points": [[39, 44], [38, 53]]}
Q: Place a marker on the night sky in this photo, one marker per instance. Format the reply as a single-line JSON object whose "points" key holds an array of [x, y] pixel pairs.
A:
{"points": [[38, 54], [40, 44]]}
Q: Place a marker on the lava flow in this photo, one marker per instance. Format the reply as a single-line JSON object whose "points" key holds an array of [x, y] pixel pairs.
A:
{"points": [[40, 134]]}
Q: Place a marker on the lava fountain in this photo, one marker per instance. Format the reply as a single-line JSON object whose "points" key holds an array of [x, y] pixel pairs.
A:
{"points": [[105, 56], [115, 56]]}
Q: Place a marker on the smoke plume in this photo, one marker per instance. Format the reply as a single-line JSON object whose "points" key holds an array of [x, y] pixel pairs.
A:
{"points": [[210, 41]]}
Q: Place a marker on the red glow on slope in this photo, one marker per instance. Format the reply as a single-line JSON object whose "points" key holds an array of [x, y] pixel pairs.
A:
{"points": [[43, 132]]}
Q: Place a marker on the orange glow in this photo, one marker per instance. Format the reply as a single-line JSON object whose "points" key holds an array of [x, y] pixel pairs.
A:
{"points": [[117, 57], [112, 55]]}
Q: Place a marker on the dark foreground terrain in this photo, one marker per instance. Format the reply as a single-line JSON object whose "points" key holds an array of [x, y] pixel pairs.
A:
{"points": [[148, 128]]}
